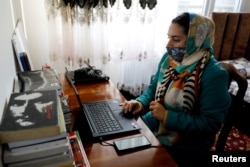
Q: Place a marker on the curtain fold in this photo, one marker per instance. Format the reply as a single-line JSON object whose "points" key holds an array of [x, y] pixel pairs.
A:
{"points": [[125, 43], [93, 3]]}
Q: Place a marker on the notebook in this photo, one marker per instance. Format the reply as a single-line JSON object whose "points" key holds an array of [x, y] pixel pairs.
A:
{"points": [[108, 108]]}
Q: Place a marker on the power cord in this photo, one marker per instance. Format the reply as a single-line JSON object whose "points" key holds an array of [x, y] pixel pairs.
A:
{"points": [[153, 146], [105, 143], [92, 71]]}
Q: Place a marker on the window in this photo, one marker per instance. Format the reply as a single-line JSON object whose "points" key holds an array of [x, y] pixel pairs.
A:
{"points": [[226, 5], [206, 7], [194, 6]]}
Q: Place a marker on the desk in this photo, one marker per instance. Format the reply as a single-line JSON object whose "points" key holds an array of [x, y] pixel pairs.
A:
{"points": [[106, 156]]}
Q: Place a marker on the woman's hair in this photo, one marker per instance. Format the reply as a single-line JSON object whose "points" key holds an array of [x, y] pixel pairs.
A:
{"points": [[183, 20]]}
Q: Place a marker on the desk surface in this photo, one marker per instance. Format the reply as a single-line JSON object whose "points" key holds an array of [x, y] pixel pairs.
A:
{"points": [[103, 156]]}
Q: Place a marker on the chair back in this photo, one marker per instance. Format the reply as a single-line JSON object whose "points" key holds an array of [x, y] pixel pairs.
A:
{"points": [[236, 108]]}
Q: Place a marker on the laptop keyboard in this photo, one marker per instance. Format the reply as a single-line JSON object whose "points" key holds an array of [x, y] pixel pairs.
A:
{"points": [[103, 117]]}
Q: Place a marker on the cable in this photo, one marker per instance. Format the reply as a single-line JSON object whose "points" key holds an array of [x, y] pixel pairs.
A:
{"points": [[157, 146], [104, 143], [94, 73]]}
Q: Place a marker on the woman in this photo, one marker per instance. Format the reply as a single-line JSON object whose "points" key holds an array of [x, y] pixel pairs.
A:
{"points": [[188, 97]]}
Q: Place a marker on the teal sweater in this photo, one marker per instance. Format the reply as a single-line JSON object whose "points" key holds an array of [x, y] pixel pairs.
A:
{"points": [[214, 102]]}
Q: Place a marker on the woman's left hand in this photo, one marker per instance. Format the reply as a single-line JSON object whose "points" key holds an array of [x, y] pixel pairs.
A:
{"points": [[158, 110]]}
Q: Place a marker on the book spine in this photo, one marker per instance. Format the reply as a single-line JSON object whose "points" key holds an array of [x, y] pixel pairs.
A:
{"points": [[21, 57], [80, 156], [27, 62], [24, 143], [41, 146], [59, 160], [39, 151]]}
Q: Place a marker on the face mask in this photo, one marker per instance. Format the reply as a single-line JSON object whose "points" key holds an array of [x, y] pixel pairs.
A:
{"points": [[177, 53]]}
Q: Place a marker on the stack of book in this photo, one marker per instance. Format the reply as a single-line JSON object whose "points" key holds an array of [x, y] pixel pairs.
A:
{"points": [[26, 149], [33, 131]]}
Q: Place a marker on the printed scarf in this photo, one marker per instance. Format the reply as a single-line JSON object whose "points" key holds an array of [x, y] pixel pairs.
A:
{"points": [[188, 82]]}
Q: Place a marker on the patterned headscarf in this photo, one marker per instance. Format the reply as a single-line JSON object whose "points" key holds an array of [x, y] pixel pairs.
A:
{"points": [[180, 80]]}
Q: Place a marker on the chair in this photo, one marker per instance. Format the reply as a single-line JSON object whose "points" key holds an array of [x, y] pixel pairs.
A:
{"points": [[235, 113]]}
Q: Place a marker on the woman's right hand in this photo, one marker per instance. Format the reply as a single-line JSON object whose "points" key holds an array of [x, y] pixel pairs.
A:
{"points": [[132, 106]]}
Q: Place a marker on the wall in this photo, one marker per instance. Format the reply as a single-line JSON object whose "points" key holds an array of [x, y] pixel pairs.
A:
{"points": [[7, 64], [37, 31]]}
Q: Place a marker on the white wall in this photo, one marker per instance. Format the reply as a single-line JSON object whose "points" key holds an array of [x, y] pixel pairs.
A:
{"points": [[7, 65], [35, 19]]}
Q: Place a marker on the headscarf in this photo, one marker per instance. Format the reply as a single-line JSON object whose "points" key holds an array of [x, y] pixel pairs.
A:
{"points": [[180, 80]]}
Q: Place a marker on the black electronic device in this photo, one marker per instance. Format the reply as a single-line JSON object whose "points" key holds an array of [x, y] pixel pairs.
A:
{"points": [[105, 117], [130, 143], [86, 74]]}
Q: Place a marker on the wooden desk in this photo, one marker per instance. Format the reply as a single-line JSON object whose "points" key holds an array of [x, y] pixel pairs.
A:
{"points": [[106, 156]]}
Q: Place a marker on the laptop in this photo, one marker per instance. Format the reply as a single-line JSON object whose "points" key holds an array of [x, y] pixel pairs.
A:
{"points": [[116, 123]]}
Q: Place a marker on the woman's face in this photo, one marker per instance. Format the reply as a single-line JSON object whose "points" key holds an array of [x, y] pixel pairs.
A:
{"points": [[176, 36]]}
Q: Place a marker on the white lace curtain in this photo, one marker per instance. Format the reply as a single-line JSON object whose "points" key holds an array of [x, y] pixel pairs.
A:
{"points": [[125, 43]]}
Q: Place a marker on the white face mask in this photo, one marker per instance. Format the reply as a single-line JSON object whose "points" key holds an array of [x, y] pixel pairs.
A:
{"points": [[177, 53]]}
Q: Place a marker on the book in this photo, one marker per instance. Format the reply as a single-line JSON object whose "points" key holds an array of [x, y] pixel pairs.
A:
{"points": [[79, 153], [24, 143], [40, 146], [23, 61], [32, 115], [65, 159], [39, 80], [27, 61], [36, 151]]}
